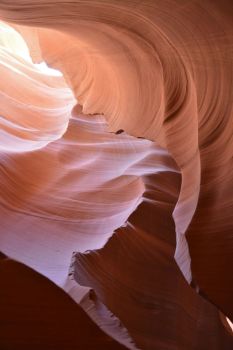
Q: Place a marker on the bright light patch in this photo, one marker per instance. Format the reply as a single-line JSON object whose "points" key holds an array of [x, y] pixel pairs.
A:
{"points": [[230, 323], [47, 70], [12, 41]]}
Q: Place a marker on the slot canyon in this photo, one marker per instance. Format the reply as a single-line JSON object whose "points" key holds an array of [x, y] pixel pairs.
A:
{"points": [[116, 174]]}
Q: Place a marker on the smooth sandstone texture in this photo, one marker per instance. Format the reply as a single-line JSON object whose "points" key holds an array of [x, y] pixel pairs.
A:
{"points": [[159, 193], [42, 316]]}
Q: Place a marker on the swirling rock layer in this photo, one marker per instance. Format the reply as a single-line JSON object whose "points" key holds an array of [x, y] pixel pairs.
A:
{"points": [[143, 161]]}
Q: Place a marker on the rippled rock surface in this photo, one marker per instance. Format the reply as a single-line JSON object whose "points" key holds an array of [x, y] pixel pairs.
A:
{"points": [[116, 174]]}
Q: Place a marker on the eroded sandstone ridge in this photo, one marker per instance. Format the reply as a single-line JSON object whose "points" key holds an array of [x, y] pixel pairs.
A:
{"points": [[125, 158]]}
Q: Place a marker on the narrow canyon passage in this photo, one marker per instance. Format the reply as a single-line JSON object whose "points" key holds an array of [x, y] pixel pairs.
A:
{"points": [[116, 171]]}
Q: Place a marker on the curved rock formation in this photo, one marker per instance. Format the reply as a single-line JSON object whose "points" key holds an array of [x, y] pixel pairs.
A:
{"points": [[36, 314], [125, 159]]}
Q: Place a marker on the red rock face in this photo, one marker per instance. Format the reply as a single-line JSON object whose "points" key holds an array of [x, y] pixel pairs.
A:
{"points": [[35, 314], [125, 159]]}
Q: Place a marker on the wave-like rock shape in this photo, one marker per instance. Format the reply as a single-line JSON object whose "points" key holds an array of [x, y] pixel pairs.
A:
{"points": [[37, 314], [35, 108], [161, 72]]}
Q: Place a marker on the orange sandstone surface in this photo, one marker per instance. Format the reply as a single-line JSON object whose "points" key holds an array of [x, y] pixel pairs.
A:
{"points": [[116, 176]]}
